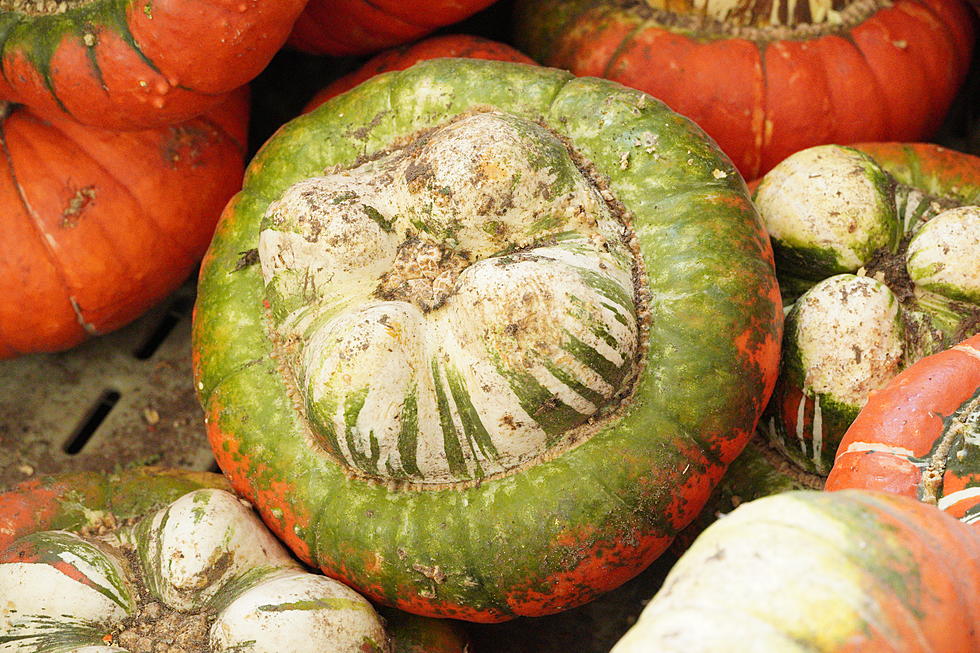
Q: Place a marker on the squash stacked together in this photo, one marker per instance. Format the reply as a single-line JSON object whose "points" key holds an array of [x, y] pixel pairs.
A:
{"points": [[479, 339], [99, 225], [166, 560], [767, 78]]}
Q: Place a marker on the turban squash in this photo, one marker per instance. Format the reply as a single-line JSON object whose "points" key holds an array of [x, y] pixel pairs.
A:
{"points": [[99, 562], [768, 78], [826, 572], [885, 240], [918, 436], [478, 337], [450, 45]]}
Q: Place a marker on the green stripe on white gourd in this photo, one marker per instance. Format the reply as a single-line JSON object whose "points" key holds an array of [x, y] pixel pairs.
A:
{"points": [[204, 551], [495, 383], [911, 287], [426, 344]]}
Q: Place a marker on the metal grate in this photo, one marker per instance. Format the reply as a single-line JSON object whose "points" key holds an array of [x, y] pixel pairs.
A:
{"points": [[123, 399]]}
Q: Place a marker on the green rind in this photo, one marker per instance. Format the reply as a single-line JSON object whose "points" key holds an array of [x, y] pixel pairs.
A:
{"points": [[73, 501], [413, 634], [499, 547], [907, 166], [751, 476]]}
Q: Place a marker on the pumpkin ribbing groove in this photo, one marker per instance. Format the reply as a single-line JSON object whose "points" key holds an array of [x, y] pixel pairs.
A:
{"points": [[31, 215], [623, 44]]}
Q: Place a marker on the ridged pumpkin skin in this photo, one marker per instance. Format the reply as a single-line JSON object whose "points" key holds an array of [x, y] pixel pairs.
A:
{"points": [[347, 27], [917, 435], [75, 502], [820, 572], [765, 90], [99, 226], [461, 46], [556, 534], [883, 293], [138, 64]]}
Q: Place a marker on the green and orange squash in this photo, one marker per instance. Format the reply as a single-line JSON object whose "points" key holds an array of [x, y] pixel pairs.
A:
{"points": [[135, 64], [919, 436], [478, 338], [347, 27], [114, 562], [768, 78], [98, 226], [876, 250], [462, 46], [821, 572], [763, 468]]}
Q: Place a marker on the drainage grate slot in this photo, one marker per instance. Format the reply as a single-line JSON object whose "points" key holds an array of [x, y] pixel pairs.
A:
{"points": [[178, 310], [100, 410]]}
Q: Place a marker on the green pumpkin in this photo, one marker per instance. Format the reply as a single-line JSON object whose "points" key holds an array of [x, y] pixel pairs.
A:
{"points": [[478, 338]]}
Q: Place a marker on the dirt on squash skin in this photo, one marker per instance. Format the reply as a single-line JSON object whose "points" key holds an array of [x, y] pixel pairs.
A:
{"points": [[890, 269], [155, 628], [921, 338], [41, 7]]}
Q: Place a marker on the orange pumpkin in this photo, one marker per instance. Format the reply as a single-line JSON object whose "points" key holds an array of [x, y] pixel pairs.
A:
{"points": [[99, 225], [914, 435], [344, 27], [136, 64], [768, 78]]}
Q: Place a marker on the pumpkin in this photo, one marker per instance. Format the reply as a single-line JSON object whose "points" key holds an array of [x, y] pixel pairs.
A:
{"points": [[766, 79], [450, 45], [820, 572], [135, 64], [917, 435], [888, 261], [151, 555], [98, 225], [346, 27], [478, 337]]}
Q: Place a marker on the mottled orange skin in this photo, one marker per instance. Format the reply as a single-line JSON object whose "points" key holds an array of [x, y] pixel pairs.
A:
{"points": [[451, 45], [274, 496], [346, 27], [908, 414], [28, 508]]}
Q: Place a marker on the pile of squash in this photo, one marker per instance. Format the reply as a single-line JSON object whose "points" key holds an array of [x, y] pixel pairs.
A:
{"points": [[480, 339]]}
